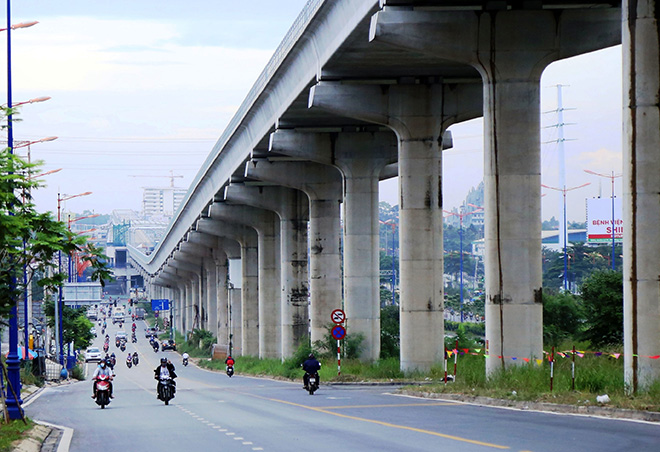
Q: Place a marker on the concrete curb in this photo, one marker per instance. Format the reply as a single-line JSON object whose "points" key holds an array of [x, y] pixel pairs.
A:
{"points": [[35, 437], [600, 411]]}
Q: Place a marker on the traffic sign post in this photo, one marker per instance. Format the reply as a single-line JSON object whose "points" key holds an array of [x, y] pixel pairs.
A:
{"points": [[338, 317]]}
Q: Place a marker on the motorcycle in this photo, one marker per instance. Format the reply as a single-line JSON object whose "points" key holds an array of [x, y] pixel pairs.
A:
{"points": [[185, 361], [230, 371], [312, 382], [166, 390], [129, 362], [105, 347], [136, 360], [113, 361], [156, 346], [134, 338], [102, 390], [122, 347], [102, 331]]}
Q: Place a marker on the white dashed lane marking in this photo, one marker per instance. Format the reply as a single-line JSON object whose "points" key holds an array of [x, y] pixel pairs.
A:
{"points": [[218, 427]]}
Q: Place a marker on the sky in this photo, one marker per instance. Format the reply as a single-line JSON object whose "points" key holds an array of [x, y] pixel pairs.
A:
{"points": [[142, 90]]}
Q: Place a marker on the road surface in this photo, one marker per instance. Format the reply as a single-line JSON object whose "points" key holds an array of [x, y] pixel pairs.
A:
{"points": [[214, 412]]}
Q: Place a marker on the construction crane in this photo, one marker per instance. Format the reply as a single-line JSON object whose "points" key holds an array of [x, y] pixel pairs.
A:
{"points": [[172, 176]]}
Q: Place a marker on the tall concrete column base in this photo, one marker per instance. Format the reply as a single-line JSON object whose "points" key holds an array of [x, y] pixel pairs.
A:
{"points": [[641, 194]]}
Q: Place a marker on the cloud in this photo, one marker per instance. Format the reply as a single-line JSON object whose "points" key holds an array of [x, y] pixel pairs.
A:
{"points": [[129, 56], [601, 161]]}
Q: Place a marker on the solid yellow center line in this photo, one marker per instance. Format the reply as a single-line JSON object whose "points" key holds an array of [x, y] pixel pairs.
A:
{"points": [[385, 424], [392, 405]]}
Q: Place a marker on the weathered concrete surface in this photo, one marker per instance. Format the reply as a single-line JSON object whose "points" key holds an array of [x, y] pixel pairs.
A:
{"points": [[267, 225], [360, 156], [323, 186], [292, 206], [641, 192]]}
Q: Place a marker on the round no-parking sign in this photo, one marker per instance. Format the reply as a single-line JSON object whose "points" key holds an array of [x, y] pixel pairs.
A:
{"points": [[339, 332]]}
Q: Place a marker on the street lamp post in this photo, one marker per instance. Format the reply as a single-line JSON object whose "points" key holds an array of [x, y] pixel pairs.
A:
{"points": [[565, 238], [59, 329], [26, 295], [13, 401], [460, 235], [611, 177]]}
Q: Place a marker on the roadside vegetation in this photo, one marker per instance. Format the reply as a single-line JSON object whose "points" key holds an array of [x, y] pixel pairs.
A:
{"points": [[12, 431], [592, 322]]}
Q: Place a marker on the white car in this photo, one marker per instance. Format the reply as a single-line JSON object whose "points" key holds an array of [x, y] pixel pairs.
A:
{"points": [[93, 354]]}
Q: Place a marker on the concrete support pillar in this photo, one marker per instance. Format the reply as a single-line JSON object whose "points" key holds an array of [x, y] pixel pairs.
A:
{"points": [[291, 206], [509, 49], [250, 292], [323, 186], [235, 322], [211, 308], [247, 237], [222, 312], [641, 194], [267, 225], [418, 113], [360, 157]]}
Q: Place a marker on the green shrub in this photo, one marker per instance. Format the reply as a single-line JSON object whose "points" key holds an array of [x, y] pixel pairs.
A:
{"points": [[77, 372], [327, 347]]}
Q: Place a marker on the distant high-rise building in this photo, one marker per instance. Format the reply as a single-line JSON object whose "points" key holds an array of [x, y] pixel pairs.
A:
{"points": [[162, 201]]}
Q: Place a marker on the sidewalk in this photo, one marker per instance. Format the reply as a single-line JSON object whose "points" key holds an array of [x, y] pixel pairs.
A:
{"points": [[40, 438]]}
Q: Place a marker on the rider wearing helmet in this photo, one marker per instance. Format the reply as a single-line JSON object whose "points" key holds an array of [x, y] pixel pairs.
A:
{"points": [[164, 371], [102, 369], [310, 366]]}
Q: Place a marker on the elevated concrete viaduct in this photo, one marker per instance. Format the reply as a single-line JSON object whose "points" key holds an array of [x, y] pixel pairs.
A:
{"points": [[367, 89]]}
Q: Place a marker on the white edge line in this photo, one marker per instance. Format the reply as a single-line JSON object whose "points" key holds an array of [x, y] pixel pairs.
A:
{"points": [[67, 435], [529, 410]]}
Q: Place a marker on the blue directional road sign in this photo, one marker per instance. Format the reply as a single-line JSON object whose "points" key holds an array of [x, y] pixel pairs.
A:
{"points": [[160, 304]]}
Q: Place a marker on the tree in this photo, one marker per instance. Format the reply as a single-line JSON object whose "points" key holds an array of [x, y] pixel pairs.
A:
{"points": [[29, 240], [389, 332], [75, 323], [562, 317], [602, 298]]}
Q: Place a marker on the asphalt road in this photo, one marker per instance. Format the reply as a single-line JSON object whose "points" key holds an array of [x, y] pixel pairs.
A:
{"points": [[214, 412]]}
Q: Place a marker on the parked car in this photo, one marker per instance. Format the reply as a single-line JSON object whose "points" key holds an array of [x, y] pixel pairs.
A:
{"points": [[168, 344], [148, 332], [93, 354]]}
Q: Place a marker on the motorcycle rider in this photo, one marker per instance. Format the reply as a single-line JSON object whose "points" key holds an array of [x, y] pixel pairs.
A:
{"points": [[129, 358], [310, 366], [229, 362], [185, 357], [165, 370], [136, 360], [105, 370]]}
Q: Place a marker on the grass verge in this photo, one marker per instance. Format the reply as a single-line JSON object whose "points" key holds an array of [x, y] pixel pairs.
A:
{"points": [[594, 375], [11, 432]]}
